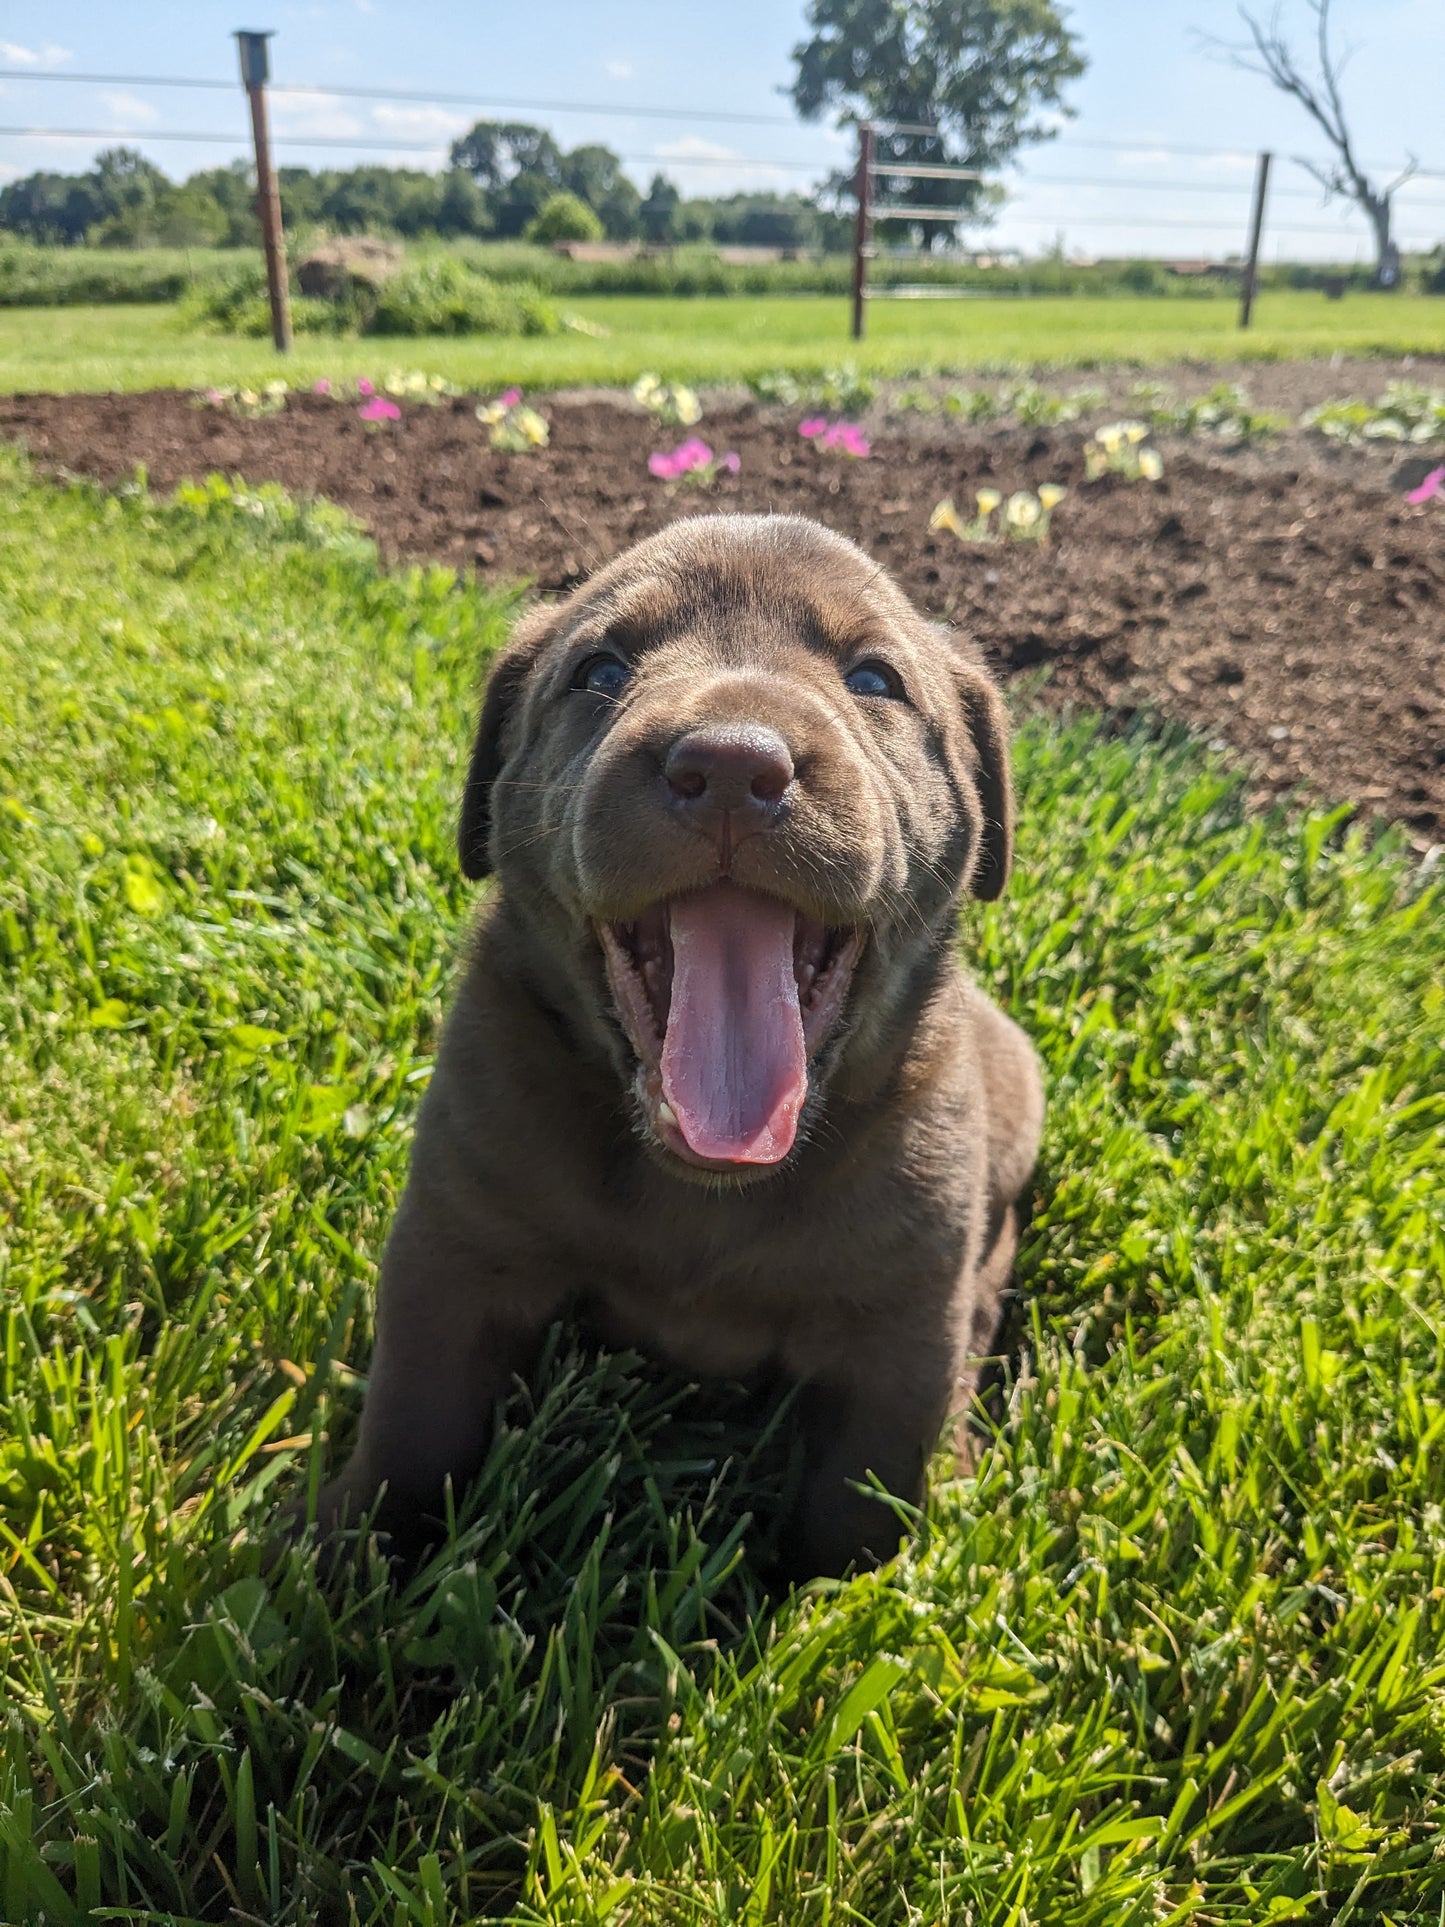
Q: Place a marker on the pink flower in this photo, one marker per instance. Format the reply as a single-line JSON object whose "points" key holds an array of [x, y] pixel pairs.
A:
{"points": [[812, 427], [732, 461], [664, 467], [1433, 484], [379, 409], [693, 454], [214, 397], [365, 387], [321, 386], [849, 437], [510, 398]]}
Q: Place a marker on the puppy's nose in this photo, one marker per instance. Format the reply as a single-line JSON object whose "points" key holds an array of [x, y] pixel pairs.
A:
{"points": [[738, 770]]}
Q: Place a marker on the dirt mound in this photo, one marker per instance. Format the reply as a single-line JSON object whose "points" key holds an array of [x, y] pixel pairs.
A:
{"points": [[1290, 609], [333, 268]]}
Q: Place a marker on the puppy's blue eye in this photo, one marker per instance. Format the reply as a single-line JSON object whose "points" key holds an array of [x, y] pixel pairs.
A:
{"points": [[603, 676], [873, 679]]}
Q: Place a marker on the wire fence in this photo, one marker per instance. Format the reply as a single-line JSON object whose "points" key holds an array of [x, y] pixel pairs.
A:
{"points": [[1416, 208]]}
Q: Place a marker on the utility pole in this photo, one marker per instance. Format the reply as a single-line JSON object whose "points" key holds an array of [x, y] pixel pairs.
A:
{"points": [[1251, 266], [255, 72], [861, 247]]}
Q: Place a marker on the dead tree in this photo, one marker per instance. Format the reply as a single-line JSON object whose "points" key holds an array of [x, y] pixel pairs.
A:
{"points": [[1270, 54]]}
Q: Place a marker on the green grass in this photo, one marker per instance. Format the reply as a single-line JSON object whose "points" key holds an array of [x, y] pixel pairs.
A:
{"points": [[1171, 1654], [725, 338]]}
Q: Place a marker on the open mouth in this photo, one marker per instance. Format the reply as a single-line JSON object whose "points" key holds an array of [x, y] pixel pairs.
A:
{"points": [[725, 995]]}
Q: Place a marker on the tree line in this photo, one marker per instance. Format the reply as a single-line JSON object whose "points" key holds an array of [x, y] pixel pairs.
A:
{"points": [[506, 180]]}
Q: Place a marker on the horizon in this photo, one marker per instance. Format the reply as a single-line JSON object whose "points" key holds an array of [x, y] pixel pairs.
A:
{"points": [[1158, 160]]}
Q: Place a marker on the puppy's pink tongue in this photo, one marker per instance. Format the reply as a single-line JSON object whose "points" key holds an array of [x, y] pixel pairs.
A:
{"points": [[734, 1065]]}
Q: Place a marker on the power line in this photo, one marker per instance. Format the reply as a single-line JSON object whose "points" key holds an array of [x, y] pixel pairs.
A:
{"points": [[436, 100], [589, 107], [362, 144]]}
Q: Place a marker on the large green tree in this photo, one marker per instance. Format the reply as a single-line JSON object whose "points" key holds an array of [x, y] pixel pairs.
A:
{"points": [[975, 73]]}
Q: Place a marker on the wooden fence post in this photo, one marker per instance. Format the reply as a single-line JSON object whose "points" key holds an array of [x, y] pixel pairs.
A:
{"points": [[255, 71], [861, 248], [1251, 266]]}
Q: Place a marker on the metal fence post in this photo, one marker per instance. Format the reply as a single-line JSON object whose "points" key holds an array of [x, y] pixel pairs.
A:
{"points": [[861, 249], [255, 71], [1251, 266]]}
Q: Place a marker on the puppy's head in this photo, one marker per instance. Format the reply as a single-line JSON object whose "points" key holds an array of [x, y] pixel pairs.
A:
{"points": [[733, 789]]}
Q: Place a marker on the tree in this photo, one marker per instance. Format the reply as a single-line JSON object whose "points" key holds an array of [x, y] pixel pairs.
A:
{"points": [[50, 208], [131, 191], [1268, 53], [463, 207], [565, 217], [594, 174], [975, 71], [659, 213]]}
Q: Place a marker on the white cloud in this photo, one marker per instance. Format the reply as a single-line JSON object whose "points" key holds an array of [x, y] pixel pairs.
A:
{"points": [[319, 115], [705, 167], [619, 69], [415, 123], [47, 56], [8, 171], [131, 107]]}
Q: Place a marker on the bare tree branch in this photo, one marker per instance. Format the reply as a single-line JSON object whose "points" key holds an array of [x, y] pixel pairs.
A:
{"points": [[1268, 53]]}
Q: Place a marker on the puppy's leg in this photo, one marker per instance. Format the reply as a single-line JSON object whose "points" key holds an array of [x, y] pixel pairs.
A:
{"points": [[879, 1421], [454, 1323], [981, 1314]]}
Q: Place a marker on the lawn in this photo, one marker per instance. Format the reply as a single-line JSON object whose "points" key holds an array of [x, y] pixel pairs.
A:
{"points": [[1171, 1652], [724, 338]]}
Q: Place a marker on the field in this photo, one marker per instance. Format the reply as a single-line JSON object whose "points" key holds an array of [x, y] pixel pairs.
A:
{"points": [[726, 338], [1169, 1654], [1197, 597]]}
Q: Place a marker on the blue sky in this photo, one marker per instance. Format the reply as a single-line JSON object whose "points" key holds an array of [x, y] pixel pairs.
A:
{"points": [[1117, 178]]}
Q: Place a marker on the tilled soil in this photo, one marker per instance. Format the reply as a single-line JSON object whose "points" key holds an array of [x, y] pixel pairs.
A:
{"points": [[1290, 607]]}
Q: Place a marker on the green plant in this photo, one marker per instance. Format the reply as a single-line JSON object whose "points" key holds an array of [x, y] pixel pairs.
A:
{"points": [[512, 426], [564, 217], [1026, 517], [1404, 413], [1224, 414], [1118, 449], [670, 403], [441, 296]]}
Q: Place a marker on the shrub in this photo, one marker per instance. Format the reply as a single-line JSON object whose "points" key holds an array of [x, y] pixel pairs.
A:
{"points": [[54, 277], [565, 217], [441, 296], [444, 297], [238, 304]]}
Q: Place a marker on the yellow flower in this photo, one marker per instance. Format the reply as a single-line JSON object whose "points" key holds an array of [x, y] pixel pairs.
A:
{"points": [[644, 388], [1022, 511], [945, 516], [1110, 439], [1151, 465], [988, 500], [490, 412], [686, 406], [533, 426], [1050, 495], [1134, 432]]}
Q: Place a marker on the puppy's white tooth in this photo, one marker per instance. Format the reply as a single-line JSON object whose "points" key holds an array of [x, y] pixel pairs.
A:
{"points": [[667, 1113]]}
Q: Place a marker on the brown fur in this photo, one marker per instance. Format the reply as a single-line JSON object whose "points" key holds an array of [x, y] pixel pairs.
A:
{"points": [[868, 1265]]}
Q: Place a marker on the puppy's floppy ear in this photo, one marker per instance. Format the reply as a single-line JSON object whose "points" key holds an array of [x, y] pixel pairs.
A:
{"points": [[504, 686], [988, 732]]}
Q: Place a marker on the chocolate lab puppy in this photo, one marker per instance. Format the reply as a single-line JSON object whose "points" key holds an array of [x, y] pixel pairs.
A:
{"points": [[714, 1072]]}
